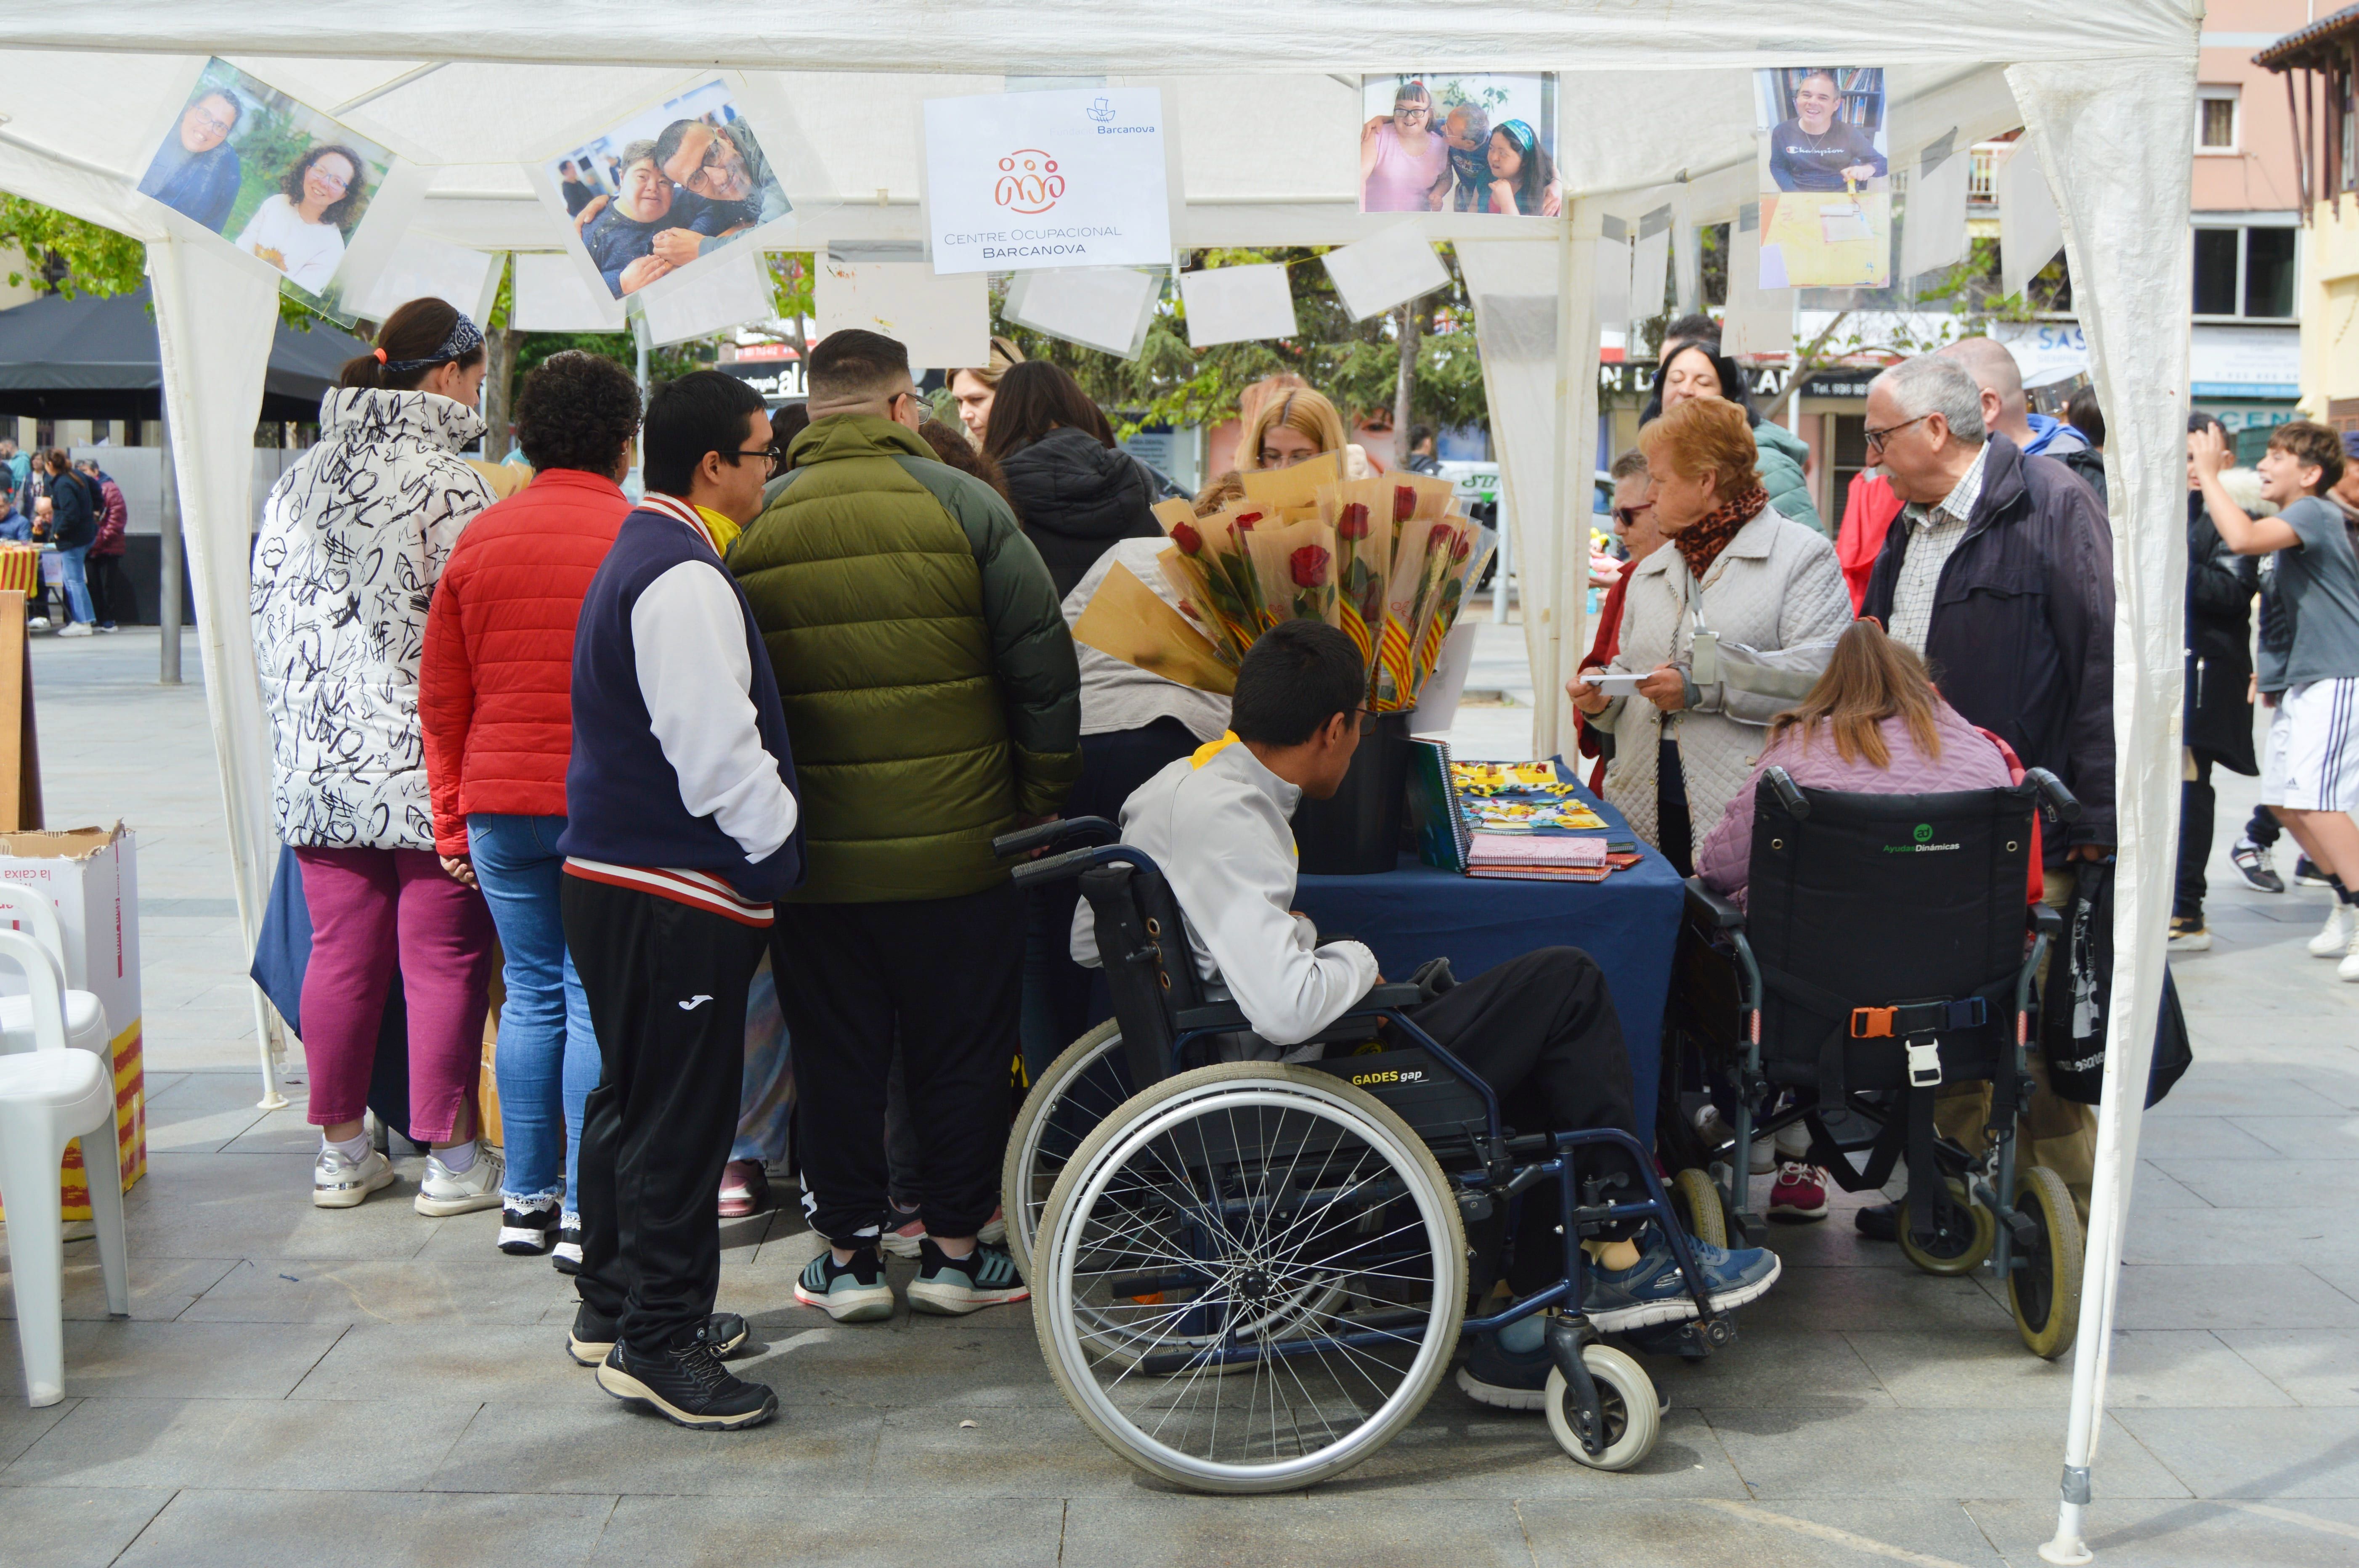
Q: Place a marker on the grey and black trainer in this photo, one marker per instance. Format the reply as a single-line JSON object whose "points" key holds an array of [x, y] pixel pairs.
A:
{"points": [[591, 1338], [848, 1292], [952, 1287], [688, 1386]]}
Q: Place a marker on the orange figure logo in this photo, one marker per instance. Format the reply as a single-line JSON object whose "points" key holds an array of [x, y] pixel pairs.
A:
{"points": [[1028, 181]]}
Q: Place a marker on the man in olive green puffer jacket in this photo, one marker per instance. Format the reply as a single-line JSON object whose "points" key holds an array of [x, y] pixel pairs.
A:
{"points": [[933, 701]]}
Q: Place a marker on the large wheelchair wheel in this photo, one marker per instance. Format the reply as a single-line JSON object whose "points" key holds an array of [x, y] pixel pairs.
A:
{"points": [[1626, 1397], [1249, 1277], [1961, 1239], [1073, 1094], [2044, 1287]]}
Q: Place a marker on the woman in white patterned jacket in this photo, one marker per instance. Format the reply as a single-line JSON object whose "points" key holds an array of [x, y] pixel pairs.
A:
{"points": [[1740, 569], [353, 540]]}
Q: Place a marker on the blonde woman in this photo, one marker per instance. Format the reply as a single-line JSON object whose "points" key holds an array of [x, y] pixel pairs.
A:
{"points": [[1738, 568], [974, 389], [1285, 427]]}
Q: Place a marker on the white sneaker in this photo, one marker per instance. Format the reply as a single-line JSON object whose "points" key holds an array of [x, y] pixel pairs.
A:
{"points": [[442, 1194], [38, 623], [2349, 968], [79, 629], [1764, 1157], [2335, 935], [566, 1256], [339, 1182]]}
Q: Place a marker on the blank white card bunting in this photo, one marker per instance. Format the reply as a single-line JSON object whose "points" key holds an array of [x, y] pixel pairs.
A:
{"points": [[1933, 221], [942, 319], [1103, 308], [1613, 275], [423, 267], [733, 289], [1758, 321], [552, 296], [1385, 269], [2030, 232], [1650, 264], [1238, 304]]}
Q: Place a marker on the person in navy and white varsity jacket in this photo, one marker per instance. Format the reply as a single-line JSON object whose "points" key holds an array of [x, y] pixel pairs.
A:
{"points": [[681, 825]]}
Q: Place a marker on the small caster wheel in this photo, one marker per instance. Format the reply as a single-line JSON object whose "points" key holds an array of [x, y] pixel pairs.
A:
{"points": [[2044, 1286], [1700, 1207], [1952, 1250], [1625, 1394]]}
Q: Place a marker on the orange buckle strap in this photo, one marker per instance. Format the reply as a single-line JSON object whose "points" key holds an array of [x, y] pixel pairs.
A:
{"points": [[1872, 1022]]}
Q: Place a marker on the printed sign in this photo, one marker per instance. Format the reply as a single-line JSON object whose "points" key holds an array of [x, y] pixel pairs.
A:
{"points": [[1020, 181]]}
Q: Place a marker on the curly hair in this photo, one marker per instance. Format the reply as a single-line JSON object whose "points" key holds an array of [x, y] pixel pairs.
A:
{"points": [[343, 206], [577, 410]]}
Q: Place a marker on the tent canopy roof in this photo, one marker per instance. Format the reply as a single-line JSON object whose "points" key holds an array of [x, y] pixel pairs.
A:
{"points": [[96, 359]]}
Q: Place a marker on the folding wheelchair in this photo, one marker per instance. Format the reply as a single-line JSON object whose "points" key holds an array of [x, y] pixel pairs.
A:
{"points": [[1248, 1275], [1883, 952]]}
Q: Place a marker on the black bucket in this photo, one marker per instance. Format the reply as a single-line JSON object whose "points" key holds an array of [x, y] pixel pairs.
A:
{"points": [[1358, 832]]}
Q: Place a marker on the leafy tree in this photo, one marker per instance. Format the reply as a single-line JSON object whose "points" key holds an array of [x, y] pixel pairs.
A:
{"points": [[62, 255]]}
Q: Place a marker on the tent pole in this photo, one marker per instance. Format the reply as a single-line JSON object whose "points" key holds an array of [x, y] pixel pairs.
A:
{"points": [[168, 593], [1571, 584]]}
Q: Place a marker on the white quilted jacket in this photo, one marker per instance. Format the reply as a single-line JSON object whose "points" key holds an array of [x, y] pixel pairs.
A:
{"points": [[353, 538], [1777, 584]]}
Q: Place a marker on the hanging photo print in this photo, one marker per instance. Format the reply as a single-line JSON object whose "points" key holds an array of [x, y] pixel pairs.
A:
{"points": [[667, 186], [1449, 142], [1826, 177], [280, 181]]}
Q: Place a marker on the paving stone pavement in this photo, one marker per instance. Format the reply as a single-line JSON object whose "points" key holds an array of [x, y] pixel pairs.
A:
{"points": [[379, 1386]]}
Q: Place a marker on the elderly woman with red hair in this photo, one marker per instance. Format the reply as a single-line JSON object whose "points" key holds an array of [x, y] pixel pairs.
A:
{"points": [[1742, 575]]}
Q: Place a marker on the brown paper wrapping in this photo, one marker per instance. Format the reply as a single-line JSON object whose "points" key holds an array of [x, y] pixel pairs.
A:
{"points": [[1128, 621]]}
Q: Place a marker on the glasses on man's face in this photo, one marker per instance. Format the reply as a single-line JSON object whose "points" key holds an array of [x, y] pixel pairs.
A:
{"points": [[1877, 439], [205, 120], [774, 455], [719, 164]]}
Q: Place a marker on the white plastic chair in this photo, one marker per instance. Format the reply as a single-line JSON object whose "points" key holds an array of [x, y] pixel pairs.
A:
{"points": [[49, 1096], [86, 1022]]}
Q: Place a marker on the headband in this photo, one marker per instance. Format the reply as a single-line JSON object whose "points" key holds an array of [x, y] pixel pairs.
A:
{"points": [[1519, 133], [463, 339]]}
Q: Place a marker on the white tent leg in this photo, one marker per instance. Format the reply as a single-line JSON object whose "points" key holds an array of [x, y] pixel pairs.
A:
{"points": [[271, 1099], [2116, 134]]}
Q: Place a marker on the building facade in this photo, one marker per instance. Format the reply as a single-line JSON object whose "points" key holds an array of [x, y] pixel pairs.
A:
{"points": [[2313, 68]]}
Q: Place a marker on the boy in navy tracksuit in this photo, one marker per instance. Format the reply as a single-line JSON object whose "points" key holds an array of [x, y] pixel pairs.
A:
{"points": [[680, 828]]}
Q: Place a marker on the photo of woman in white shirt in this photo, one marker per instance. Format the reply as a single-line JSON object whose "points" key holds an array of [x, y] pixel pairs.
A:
{"points": [[300, 230]]}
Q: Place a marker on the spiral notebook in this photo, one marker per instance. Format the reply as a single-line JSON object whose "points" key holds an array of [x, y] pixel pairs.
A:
{"points": [[1436, 815]]}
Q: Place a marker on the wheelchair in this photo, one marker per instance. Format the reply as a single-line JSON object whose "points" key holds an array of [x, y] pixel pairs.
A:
{"points": [[1249, 1275], [1850, 1021]]}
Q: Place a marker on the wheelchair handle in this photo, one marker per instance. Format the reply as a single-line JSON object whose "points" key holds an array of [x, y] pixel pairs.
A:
{"points": [[2061, 800], [1781, 785], [1056, 832], [1073, 862]]}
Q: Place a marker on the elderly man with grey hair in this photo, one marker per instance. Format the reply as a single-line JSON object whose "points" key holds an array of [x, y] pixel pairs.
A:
{"points": [[1999, 570], [2007, 411]]}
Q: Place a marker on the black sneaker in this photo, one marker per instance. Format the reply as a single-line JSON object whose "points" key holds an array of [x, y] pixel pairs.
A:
{"points": [[688, 1387], [591, 1338], [566, 1258], [2306, 872], [2253, 864], [1878, 1221], [952, 1287], [527, 1227]]}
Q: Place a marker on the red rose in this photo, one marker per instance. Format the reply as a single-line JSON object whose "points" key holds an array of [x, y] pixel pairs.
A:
{"points": [[1439, 538], [1309, 564], [1462, 548], [1354, 523], [1404, 503], [1246, 520], [1185, 536]]}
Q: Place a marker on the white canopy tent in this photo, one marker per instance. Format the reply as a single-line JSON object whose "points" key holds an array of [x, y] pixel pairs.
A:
{"points": [[1656, 105]]}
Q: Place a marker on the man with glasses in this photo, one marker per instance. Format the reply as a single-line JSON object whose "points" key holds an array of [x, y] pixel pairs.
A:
{"points": [[1999, 570], [726, 188], [933, 697], [681, 827], [196, 172]]}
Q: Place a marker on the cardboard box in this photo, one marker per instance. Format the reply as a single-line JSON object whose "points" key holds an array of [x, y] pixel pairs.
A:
{"points": [[91, 877]]}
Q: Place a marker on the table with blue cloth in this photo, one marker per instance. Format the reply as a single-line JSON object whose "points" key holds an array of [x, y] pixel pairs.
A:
{"points": [[1629, 923]]}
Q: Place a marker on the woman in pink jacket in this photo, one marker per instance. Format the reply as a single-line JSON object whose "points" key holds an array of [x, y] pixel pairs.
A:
{"points": [[1873, 724]]}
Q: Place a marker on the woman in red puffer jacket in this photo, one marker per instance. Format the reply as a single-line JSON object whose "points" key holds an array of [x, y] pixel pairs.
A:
{"points": [[495, 698]]}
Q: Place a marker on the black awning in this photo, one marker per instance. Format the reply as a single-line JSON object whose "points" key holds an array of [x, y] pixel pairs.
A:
{"points": [[93, 357]]}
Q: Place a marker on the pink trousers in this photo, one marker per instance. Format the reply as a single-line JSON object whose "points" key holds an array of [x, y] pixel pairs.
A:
{"points": [[370, 908]]}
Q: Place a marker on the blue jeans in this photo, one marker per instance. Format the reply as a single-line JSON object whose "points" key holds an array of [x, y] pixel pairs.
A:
{"points": [[548, 1060], [77, 584]]}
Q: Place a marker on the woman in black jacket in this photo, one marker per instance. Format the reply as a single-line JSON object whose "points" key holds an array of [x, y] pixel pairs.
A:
{"points": [[1075, 491], [2219, 716]]}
